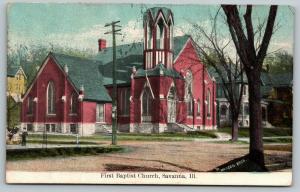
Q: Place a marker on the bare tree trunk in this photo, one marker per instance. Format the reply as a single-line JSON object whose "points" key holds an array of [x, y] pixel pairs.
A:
{"points": [[256, 151], [234, 127], [252, 59]]}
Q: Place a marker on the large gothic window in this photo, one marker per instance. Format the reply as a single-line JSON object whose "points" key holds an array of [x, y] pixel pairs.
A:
{"points": [[172, 93], [73, 104], [189, 93], [172, 104], [50, 98], [188, 85], [147, 104]]}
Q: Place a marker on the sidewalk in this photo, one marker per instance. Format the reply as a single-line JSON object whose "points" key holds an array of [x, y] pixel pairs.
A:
{"points": [[32, 146]]}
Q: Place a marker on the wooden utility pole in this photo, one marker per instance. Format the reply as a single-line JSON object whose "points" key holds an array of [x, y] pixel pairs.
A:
{"points": [[114, 32]]}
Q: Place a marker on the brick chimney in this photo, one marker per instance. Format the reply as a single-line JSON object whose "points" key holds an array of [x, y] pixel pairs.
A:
{"points": [[101, 44]]}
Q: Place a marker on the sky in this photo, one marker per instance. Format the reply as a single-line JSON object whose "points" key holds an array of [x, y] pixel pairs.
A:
{"points": [[79, 25]]}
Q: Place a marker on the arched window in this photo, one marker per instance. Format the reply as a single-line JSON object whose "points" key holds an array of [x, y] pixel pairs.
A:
{"points": [[208, 101], [29, 105], [191, 107], [124, 101], [160, 33], [172, 104], [170, 35], [149, 37], [50, 98], [188, 92], [198, 107], [147, 104], [246, 109], [172, 93], [73, 103]]}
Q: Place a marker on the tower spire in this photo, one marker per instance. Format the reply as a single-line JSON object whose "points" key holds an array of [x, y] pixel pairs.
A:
{"points": [[158, 37]]}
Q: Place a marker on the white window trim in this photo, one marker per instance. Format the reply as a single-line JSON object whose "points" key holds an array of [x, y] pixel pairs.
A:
{"points": [[50, 128]]}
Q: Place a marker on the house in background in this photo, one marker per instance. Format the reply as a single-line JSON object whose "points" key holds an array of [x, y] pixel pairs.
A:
{"points": [[16, 86], [279, 95], [16, 82], [277, 101], [224, 116], [162, 86]]}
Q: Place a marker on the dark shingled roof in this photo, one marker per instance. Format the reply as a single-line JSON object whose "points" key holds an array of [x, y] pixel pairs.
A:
{"points": [[159, 70], [282, 79], [271, 81], [93, 74], [268, 81], [84, 72], [12, 70], [129, 56]]}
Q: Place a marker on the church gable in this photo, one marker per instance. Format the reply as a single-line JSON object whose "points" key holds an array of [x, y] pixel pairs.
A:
{"points": [[187, 57]]}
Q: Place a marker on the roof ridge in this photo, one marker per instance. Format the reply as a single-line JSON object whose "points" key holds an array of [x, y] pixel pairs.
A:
{"points": [[73, 56], [185, 35]]}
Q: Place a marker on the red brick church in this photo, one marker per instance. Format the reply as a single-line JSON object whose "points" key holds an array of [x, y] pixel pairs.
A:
{"points": [[162, 86]]}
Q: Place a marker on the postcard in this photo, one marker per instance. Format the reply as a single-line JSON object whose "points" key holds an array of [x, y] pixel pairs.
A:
{"points": [[174, 94]]}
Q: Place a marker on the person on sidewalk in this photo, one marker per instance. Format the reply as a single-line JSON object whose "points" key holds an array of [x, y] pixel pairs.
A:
{"points": [[24, 135]]}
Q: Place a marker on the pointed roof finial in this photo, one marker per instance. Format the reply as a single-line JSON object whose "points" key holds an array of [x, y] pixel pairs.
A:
{"points": [[82, 88], [66, 68]]}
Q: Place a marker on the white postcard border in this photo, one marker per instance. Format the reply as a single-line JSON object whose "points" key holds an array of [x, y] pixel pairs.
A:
{"points": [[152, 178]]}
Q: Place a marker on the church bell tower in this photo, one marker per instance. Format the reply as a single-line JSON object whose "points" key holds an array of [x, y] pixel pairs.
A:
{"points": [[158, 37]]}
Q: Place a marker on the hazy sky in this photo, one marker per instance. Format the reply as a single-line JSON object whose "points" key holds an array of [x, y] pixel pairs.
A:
{"points": [[81, 25]]}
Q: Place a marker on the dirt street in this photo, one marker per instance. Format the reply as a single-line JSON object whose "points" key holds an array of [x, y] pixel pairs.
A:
{"points": [[146, 156]]}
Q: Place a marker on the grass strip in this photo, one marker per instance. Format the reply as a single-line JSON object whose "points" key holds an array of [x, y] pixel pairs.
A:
{"points": [[33, 153]]}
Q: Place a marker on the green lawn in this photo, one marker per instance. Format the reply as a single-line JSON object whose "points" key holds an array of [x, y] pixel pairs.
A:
{"points": [[268, 132], [32, 153], [95, 139]]}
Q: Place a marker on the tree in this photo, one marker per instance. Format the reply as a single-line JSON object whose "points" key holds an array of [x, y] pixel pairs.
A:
{"points": [[215, 53], [279, 62], [13, 113], [252, 57]]}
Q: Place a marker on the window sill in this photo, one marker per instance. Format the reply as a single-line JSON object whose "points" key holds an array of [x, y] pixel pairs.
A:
{"points": [[100, 122], [51, 115], [123, 115], [72, 114]]}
